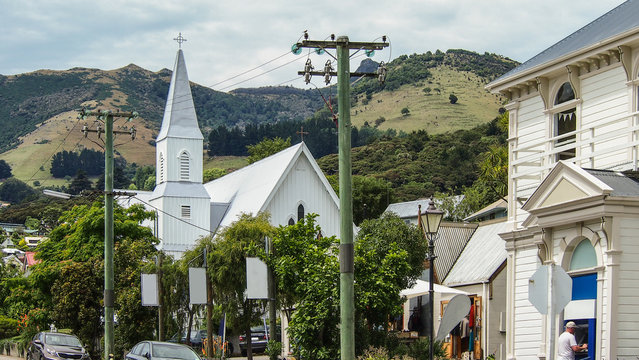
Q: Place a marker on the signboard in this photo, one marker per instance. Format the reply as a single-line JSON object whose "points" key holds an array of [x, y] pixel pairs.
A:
{"points": [[538, 288], [256, 279], [150, 296], [197, 286], [457, 308]]}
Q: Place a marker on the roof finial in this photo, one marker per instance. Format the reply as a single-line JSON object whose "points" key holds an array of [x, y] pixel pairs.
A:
{"points": [[180, 39]]}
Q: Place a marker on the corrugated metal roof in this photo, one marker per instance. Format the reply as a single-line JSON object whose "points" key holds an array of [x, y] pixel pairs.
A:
{"points": [[617, 21], [452, 240], [482, 256], [249, 189], [621, 185], [407, 209]]}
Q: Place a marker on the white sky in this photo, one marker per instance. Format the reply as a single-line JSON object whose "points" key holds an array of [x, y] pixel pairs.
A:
{"points": [[228, 37]]}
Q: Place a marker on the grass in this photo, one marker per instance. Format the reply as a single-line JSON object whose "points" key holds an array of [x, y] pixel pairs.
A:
{"points": [[432, 112]]}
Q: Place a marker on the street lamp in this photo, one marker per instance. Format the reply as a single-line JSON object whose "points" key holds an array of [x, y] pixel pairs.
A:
{"points": [[430, 220]]}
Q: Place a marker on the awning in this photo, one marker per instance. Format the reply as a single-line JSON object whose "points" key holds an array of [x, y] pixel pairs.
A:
{"points": [[421, 288]]}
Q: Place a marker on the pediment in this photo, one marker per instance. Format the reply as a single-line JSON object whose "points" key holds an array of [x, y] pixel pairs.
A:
{"points": [[564, 184]]}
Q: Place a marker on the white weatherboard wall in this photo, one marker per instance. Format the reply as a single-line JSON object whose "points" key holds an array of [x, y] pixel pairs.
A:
{"points": [[177, 235], [606, 97], [303, 186], [527, 321], [627, 302], [530, 134]]}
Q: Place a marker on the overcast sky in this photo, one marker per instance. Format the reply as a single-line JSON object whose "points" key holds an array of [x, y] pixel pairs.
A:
{"points": [[230, 37]]}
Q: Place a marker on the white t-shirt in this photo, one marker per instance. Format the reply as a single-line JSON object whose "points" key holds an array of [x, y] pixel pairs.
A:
{"points": [[564, 346]]}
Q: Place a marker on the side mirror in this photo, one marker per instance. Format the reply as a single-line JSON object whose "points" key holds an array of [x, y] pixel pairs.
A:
{"points": [[147, 355]]}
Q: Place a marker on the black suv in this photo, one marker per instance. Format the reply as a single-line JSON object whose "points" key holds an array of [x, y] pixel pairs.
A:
{"points": [[48, 345], [259, 340]]}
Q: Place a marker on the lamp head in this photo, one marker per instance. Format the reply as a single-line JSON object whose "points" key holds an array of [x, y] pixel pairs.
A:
{"points": [[431, 218]]}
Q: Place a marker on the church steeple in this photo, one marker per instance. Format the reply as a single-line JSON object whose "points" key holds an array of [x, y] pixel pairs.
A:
{"points": [[180, 120]]}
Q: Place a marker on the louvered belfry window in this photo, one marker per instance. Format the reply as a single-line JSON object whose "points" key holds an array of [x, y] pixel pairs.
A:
{"points": [[184, 166], [161, 168], [186, 212]]}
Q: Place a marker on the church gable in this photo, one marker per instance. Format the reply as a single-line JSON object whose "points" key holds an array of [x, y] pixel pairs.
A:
{"points": [[564, 184]]}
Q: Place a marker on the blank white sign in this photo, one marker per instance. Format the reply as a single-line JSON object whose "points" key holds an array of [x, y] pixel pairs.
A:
{"points": [[150, 290], [197, 286], [256, 279]]}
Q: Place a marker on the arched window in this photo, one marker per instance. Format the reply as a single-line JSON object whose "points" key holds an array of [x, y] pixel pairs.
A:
{"points": [[584, 256], [184, 166], [565, 122], [291, 221], [300, 212], [161, 168]]}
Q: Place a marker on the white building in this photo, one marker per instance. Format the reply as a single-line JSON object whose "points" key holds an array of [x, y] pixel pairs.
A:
{"points": [[288, 185], [573, 108]]}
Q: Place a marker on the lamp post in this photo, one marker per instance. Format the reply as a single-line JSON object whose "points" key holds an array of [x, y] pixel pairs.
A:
{"points": [[430, 220]]}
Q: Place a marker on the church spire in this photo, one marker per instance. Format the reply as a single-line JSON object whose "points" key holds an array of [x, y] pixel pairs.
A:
{"points": [[180, 120]]}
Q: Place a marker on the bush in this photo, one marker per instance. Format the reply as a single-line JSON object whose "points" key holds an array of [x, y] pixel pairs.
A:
{"points": [[8, 327]]}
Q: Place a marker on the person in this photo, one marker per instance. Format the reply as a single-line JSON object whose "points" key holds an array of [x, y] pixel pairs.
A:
{"points": [[567, 344]]}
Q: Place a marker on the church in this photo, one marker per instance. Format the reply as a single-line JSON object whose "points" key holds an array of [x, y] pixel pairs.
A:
{"points": [[288, 185], [573, 190]]}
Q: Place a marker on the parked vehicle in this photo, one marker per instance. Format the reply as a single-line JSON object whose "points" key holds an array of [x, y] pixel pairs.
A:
{"points": [[259, 339], [198, 338], [150, 350], [56, 346]]}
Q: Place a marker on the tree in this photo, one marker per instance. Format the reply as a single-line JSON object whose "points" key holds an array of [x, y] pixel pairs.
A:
{"points": [[227, 267], [405, 111], [212, 174], [80, 182], [266, 148], [388, 258], [5, 170], [306, 269], [15, 191], [452, 98], [371, 197]]}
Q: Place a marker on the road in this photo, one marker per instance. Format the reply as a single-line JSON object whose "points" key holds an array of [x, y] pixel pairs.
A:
{"points": [[258, 357]]}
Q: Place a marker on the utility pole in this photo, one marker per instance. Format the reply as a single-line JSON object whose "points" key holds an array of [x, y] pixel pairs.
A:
{"points": [[109, 295], [346, 249]]}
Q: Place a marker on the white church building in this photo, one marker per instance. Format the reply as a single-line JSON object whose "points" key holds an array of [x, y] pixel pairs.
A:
{"points": [[288, 185], [573, 195]]}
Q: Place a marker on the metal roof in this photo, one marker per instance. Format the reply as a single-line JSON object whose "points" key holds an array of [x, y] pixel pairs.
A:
{"points": [[249, 189], [407, 209], [452, 240], [482, 256], [617, 21], [621, 184], [180, 119]]}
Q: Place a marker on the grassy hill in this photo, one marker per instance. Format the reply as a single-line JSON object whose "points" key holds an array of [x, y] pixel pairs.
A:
{"points": [[38, 117]]}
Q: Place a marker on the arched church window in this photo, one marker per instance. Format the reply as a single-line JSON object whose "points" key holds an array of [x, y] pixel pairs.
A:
{"points": [[161, 168], [300, 212], [184, 166], [565, 122], [291, 221], [584, 256]]}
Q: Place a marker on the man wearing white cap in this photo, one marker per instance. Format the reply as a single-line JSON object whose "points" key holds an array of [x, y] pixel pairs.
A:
{"points": [[567, 344]]}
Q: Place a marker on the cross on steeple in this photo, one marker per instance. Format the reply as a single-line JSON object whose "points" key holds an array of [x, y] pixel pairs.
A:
{"points": [[301, 133], [180, 39]]}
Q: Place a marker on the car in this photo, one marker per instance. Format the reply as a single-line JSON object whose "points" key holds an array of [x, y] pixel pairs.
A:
{"points": [[149, 350], [49, 345], [258, 339], [197, 340]]}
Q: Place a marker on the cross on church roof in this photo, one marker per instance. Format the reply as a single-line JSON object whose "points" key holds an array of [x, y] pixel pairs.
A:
{"points": [[302, 133], [180, 39]]}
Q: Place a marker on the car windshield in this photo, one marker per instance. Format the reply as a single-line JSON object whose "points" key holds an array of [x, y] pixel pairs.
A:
{"points": [[173, 352], [59, 339]]}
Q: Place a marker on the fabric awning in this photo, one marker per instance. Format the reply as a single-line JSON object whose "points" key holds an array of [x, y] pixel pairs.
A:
{"points": [[421, 288]]}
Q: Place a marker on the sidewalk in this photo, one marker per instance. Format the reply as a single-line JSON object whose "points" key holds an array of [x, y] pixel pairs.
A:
{"points": [[255, 357], [8, 357]]}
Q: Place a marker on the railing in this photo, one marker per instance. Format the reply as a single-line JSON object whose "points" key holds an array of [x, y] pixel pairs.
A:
{"points": [[542, 155]]}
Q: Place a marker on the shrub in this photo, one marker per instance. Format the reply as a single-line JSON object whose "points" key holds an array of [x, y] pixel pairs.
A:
{"points": [[8, 327]]}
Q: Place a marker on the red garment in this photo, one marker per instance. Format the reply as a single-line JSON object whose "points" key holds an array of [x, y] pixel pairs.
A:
{"points": [[471, 318]]}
